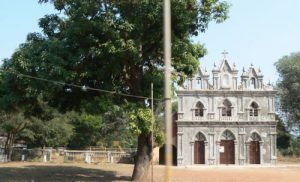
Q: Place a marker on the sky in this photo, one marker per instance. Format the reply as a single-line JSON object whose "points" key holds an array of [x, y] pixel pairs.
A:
{"points": [[17, 19], [258, 32]]}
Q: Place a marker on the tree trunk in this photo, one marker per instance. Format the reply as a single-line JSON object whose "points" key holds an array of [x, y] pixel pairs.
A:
{"points": [[143, 158], [8, 146]]}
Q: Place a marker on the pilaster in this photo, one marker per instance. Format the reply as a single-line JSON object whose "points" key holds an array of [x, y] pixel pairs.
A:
{"points": [[192, 143]]}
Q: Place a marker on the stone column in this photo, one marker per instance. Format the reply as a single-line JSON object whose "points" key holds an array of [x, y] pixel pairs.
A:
{"points": [[212, 149], [247, 113], [260, 152], [275, 141], [192, 152], [273, 147], [217, 152], [270, 104], [180, 104], [212, 104], [233, 113], [220, 113], [273, 104], [206, 87], [206, 152], [242, 104], [242, 153], [247, 152], [179, 149], [236, 152], [209, 106], [238, 104], [193, 114], [234, 82], [215, 83]]}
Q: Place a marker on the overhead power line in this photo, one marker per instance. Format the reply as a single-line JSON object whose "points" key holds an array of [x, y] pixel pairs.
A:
{"points": [[75, 85]]}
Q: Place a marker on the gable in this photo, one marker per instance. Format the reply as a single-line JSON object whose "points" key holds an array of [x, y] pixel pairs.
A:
{"points": [[225, 67], [252, 73]]}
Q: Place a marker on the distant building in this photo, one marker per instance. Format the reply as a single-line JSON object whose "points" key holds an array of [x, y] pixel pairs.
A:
{"points": [[228, 121]]}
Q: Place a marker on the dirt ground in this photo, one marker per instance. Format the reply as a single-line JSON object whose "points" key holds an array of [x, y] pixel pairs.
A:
{"points": [[40, 172]]}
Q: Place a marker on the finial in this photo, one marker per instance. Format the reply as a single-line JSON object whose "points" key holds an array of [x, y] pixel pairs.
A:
{"points": [[259, 70], [215, 64], [269, 83], [233, 64], [251, 65], [243, 69], [224, 54], [205, 69]]}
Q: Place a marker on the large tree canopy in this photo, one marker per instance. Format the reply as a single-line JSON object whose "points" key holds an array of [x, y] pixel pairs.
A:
{"points": [[288, 68], [112, 45]]}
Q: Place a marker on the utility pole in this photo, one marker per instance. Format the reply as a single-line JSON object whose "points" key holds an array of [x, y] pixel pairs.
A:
{"points": [[167, 87], [152, 131]]}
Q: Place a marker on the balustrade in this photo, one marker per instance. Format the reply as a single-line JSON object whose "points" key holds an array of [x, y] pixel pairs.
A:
{"points": [[231, 118]]}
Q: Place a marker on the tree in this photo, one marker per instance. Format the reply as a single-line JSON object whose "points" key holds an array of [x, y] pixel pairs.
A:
{"points": [[288, 68], [11, 124], [284, 138], [24, 116], [113, 45], [55, 131], [296, 146], [17, 105]]}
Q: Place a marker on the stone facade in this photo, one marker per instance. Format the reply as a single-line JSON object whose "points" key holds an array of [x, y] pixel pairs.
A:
{"points": [[226, 122]]}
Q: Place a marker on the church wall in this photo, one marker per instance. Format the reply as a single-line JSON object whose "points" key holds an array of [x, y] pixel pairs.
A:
{"points": [[213, 137], [240, 123], [212, 105]]}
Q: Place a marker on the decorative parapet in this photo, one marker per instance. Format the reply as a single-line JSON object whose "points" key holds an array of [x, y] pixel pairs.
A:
{"points": [[229, 118]]}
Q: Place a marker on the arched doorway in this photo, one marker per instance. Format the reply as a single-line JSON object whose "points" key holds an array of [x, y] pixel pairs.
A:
{"points": [[227, 152], [255, 149], [199, 149]]}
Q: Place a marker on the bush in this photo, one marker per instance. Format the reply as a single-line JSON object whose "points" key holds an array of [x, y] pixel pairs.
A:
{"points": [[286, 152]]}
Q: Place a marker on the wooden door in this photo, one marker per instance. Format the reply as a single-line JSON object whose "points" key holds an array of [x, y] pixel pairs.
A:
{"points": [[227, 154], [254, 152], [199, 152]]}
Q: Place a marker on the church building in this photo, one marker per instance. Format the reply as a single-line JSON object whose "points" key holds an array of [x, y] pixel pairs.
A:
{"points": [[226, 120]]}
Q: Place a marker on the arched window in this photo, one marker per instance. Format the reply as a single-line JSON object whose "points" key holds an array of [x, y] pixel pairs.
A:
{"points": [[253, 83], [199, 82], [255, 137], [226, 109], [253, 109], [200, 137], [199, 111], [227, 135]]}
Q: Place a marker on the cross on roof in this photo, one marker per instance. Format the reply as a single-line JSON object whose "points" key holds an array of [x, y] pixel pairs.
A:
{"points": [[224, 53]]}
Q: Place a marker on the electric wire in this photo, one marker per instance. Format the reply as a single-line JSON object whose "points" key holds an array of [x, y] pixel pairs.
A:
{"points": [[76, 86]]}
